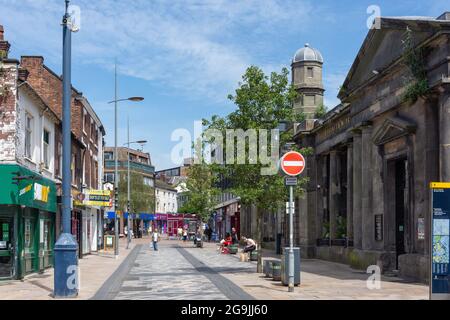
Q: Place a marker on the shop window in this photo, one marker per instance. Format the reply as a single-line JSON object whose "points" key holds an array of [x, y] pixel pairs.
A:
{"points": [[29, 236]]}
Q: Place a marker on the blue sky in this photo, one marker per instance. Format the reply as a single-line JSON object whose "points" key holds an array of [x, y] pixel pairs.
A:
{"points": [[186, 56]]}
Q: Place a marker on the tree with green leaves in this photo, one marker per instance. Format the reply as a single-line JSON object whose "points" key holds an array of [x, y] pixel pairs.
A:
{"points": [[262, 103], [142, 197], [201, 192]]}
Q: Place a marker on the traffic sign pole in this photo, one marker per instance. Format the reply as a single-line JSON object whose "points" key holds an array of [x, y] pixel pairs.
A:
{"points": [[293, 164], [291, 239]]}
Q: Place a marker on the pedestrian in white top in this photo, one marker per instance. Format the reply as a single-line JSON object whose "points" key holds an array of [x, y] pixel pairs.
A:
{"points": [[155, 239]]}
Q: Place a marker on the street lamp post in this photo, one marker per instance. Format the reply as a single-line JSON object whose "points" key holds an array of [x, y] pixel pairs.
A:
{"points": [[66, 283], [116, 161], [128, 181]]}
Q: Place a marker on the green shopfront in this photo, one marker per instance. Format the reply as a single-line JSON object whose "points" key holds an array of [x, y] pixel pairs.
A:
{"points": [[27, 222]]}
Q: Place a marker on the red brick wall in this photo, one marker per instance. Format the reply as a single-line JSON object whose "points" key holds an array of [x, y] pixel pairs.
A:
{"points": [[49, 87]]}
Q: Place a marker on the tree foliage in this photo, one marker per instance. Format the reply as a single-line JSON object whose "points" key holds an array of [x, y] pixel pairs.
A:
{"points": [[142, 196], [417, 83], [200, 191], [262, 102]]}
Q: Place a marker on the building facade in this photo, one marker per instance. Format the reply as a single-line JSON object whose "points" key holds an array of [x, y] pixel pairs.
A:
{"points": [[375, 154], [27, 160], [166, 198], [87, 152], [141, 167]]}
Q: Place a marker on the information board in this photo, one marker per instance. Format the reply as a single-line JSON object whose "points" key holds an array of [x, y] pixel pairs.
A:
{"points": [[440, 235]]}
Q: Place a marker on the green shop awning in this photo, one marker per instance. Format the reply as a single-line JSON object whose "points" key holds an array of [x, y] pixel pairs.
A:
{"points": [[34, 191]]}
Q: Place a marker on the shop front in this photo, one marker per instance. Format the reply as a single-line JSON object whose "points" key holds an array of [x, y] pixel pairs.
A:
{"points": [[27, 222], [88, 216]]}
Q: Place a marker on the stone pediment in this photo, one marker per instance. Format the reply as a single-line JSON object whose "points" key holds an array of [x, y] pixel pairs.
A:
{"points": [[381, 48], [393, 128]]}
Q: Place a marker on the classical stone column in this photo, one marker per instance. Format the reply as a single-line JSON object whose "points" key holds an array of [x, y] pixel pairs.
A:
{"points": [[319, 198], [357, 227], [444, 136], [349, 192], [333, 180], [366, 188]]}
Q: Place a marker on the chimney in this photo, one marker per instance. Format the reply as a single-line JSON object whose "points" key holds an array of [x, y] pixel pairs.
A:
{"points": [[4, 45], [444, 16]]}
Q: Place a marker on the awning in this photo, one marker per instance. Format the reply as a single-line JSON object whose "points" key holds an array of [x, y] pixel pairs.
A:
{"points": [[142, 216]]}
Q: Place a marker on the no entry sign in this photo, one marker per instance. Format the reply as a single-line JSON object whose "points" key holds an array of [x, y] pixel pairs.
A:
{"points": [[293, 163]]}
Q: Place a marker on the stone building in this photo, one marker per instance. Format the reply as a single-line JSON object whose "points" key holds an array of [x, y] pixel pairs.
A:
{"points": [[375, 154]]}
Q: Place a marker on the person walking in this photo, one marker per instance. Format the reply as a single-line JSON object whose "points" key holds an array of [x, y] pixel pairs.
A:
{"points": [[155, 239], [234, 236]]}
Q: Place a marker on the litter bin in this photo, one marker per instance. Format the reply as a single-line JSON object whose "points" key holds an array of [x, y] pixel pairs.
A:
{"points": [[233, 249], [285, 267], [276, 270], [254, 255]]}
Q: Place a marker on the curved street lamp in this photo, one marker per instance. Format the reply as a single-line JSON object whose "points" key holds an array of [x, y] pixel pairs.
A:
{"points": [[116, 163]]}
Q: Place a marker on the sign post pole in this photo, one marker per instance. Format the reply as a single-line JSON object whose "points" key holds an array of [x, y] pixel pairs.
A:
{"points": [[291, 239], [293, 164]]}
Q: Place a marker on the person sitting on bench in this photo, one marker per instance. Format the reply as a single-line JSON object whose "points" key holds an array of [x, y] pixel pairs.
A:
{"points": [[225, 243], [250, 245]]}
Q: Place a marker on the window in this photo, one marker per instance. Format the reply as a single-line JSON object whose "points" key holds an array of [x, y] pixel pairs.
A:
{"points": [[109, 155], [72, 167], [310, 72], [95, 174], [109, 177], [59, 162], [46, 143], [86, 122], [28, 135], [148, 181], [29, 235]]}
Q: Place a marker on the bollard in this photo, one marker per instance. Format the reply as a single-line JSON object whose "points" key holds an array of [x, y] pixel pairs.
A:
{"points": [[66, 267]]}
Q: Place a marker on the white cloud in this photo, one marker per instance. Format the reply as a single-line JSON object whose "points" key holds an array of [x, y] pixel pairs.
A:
{"points": [[195, 46], [332, 84]]}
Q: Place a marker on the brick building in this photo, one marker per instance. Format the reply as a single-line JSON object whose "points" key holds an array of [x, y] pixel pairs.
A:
{"points": [[87, 146]]}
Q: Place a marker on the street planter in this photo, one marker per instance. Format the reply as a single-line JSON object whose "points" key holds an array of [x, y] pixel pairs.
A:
{"points": [[339, 242], [233, 249], [254, 255], [276, 270]]}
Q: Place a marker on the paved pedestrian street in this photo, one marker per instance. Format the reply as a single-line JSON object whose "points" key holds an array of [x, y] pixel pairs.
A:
{"points": [[179, 271]]}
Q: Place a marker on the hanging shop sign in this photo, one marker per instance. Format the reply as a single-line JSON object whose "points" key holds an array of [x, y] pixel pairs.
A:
{"points": [[97, 198], [440, 235]]}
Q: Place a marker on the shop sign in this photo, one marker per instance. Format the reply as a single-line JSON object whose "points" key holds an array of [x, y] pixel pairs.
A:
{"points": [[32, 191], [97, 198], [41, 192]]}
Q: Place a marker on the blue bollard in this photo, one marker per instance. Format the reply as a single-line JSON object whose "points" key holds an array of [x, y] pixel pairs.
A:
{"points": [[66, 279]]}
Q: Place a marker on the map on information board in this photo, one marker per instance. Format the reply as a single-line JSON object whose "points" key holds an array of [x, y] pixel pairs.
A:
{"points": [[440, 249]]}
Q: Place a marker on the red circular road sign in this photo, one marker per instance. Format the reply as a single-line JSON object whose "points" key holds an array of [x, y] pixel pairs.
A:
{"points": [[293, 163]]}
